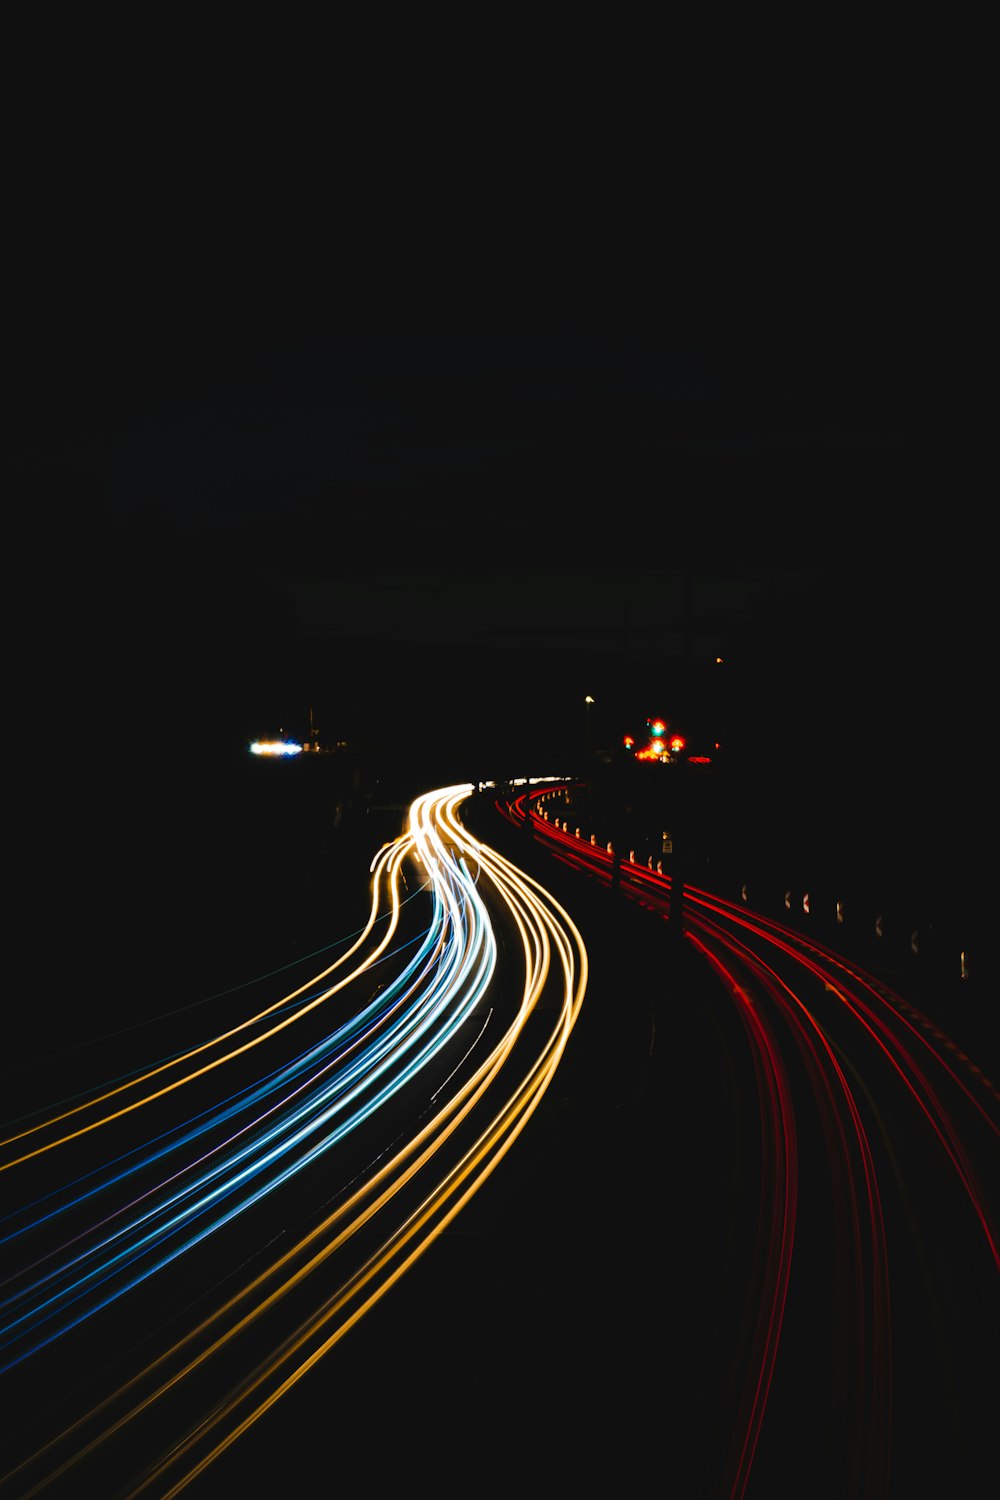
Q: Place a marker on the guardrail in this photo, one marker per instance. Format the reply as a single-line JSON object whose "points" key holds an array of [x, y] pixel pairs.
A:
{"points": [[882, 930]]}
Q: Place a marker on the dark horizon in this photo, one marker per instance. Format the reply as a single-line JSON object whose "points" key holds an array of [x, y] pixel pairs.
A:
{"points": [[440, 545]]}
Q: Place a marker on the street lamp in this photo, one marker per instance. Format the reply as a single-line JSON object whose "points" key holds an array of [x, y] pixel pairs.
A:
{"points": [[586, 733]]}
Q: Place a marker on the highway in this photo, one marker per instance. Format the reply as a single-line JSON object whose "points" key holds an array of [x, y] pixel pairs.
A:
{"points": [[857, 1187], [518, 1178], [320, 1144]]}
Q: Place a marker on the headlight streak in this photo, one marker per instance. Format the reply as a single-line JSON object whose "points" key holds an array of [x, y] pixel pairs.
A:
{"points": [[441, 1206], [394, 1053], [350, 1033], [123, 1081], [375, 1055], [918, 1055], [387, 864], [454, 986]]}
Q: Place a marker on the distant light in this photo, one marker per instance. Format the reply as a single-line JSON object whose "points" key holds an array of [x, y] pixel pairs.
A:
{"points": [[275, 747]]}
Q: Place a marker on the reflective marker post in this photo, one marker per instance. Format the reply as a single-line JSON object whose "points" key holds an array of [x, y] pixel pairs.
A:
{"points": [[675, 923]]}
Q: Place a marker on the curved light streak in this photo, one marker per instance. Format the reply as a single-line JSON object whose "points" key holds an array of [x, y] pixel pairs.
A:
{"points": [[769, 970], [437, 1007]]}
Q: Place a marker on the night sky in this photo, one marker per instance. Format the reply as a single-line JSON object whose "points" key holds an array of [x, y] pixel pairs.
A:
{"points": [[437, 500], [276, 415], [234, 514]]}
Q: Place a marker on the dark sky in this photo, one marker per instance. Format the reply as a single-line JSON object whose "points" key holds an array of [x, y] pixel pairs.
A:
{"points": [[316, 455], [241, 506], [288, 427]]}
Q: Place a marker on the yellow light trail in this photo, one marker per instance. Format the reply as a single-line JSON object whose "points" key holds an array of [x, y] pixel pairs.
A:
{"points": [[478, 1116], [385, 867]]}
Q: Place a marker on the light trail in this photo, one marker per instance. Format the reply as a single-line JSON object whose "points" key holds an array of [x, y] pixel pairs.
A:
{"points": [[337, 1084], [854, 1040], [473, 1114]]}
